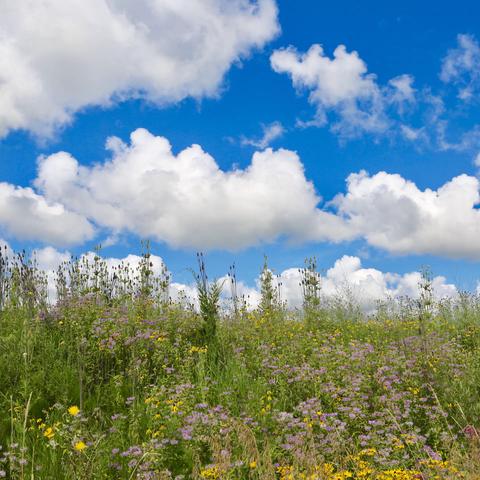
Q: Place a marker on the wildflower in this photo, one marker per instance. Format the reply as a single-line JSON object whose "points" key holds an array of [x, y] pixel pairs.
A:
{"points": [[210, 472], [470, 432], [253, 464], [74, 410], [195, 349], [368, 452], [49, 433], [80, 446]]}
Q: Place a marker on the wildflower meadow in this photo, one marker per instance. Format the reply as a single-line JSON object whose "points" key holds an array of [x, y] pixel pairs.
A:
{"points": [[114, 380]]}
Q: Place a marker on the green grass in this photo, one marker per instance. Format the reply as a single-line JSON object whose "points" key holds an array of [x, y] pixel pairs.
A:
{"points": [[269, 394]]}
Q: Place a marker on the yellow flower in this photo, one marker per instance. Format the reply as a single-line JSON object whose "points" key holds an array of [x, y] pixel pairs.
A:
{"points": [[253, 464], [368, 452], [74, 410], [80, 446], [49, 433], [211, 472], [195, 349]]}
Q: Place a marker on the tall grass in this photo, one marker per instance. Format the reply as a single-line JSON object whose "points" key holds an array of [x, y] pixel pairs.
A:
{"points": [[116, 380]]}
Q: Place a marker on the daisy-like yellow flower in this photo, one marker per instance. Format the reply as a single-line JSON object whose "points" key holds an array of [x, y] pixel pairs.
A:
{"points": [[74, 410], [49, 433], [253, 464], [80, 446]]}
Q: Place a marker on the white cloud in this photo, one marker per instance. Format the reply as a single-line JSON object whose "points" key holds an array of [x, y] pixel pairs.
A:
{"points": [[59, 57], [271, 132], [187, 292], [412, 134], [185, 200], [402, 91], [344, 87], [461, 66], [347, 277], [5, 248], [466, 141], [26, 215], [365, 286], [394, 214], [49, 259], [476, 160]]}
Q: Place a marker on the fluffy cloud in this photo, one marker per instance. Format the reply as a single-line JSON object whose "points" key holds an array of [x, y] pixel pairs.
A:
{"points": [[461, 66], [185, 200], [394, 214], [26, 215], [58, 57], [364, 286], [343, 86], [346, 279]]}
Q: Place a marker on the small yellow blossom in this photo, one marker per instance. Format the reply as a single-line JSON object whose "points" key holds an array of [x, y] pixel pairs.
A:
{"points": [[195, 349], [74, 410], [211, 472], [80, 446]]}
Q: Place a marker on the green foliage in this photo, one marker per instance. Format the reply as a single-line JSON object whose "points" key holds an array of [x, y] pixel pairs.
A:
{"points": [[270, 293], [114, 382], [310, 284], [209, 302]]}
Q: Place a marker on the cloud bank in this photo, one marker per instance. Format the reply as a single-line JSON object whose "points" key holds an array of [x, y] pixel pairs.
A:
{"points": [[186, 201], [366, 287], [346, 279]]}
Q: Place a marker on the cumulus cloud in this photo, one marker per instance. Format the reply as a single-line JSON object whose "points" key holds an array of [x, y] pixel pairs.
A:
{"points": [[26, 215], [347, 278], [58, 57], [394, 214], [342, 86], [186, 200], [364, 286], [271, 132], [461, 66]]}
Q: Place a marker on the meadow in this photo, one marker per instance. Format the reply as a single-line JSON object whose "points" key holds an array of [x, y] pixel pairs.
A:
{"points": [[116, 381]]}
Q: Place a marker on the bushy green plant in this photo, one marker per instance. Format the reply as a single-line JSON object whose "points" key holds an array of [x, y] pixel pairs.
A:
{"points": [[208, 301]]}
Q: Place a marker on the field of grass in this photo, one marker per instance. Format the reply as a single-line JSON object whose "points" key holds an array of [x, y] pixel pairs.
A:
{"points": [[117, 382]]}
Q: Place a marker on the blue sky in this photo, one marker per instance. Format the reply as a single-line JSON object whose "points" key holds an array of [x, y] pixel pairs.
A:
{"points": [[392, 39]]}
